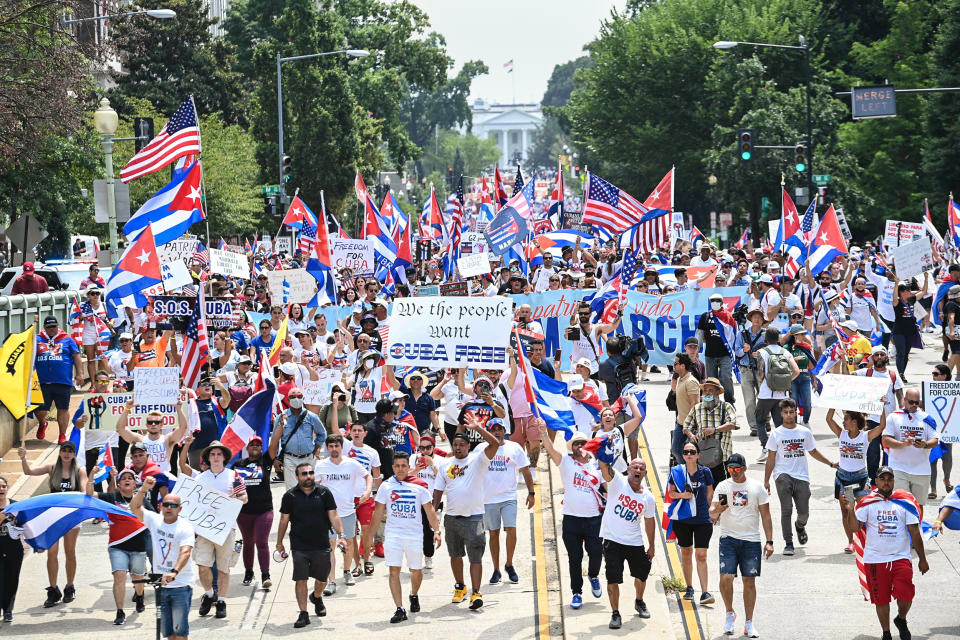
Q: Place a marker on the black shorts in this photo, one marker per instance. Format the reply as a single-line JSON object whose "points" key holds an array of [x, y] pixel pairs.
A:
{"points": [[56, 394], [311, 564], [614, 555], [955, 347], [693, 535]]}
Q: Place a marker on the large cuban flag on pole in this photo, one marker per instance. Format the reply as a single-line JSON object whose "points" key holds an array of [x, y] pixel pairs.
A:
{"points": [[827, 243], [45, 519], [547, 397]]}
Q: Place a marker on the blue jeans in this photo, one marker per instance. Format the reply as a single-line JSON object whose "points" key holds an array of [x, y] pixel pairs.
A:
{"points": [[742, 554], [800, 391], [174, 610], [721, 368]]}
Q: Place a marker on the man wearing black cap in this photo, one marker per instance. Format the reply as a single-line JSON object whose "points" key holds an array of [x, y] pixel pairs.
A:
{"points": [[890, 531], [58, 365], [740, 505]]}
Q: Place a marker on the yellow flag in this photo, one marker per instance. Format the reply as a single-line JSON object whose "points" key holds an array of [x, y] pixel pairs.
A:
{"points": [[16, 361], [274, 357]]}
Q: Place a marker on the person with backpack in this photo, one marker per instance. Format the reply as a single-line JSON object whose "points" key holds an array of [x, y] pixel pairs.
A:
{"points": [[710, 424], [776, 370], [750, 340]]}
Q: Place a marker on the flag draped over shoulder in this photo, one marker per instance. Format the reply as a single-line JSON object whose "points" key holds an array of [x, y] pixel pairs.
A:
{"points": [[900, 497], [19, 351]]}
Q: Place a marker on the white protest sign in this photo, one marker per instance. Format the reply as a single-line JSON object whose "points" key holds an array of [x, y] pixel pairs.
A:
{"points": [[450, 332], [475, 264], [912, 258], [212, 513], [318, 391], [908, 231], [175, 275], [940, 401], [229, 264], [303, 286], [477, 241], [854, 393], [283, 244], [156, 385], [179, 250], [356, 255]]}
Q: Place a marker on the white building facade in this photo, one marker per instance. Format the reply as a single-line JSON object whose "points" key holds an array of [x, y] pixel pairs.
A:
{"points": [[511, 126]]}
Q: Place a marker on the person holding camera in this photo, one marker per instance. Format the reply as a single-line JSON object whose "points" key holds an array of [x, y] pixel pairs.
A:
{"points": [[740, 506], [482, 406], [586, 335]]}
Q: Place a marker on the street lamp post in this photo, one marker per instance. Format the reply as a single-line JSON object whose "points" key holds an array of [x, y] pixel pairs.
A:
{"points": [[805, 47], [160, 14], [353, 53], [105, 121]]}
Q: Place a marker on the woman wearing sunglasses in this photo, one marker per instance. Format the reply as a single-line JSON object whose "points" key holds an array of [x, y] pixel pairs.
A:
{"points": [[691, 485]]}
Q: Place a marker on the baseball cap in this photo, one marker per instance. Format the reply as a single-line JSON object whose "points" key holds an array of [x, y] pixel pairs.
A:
{"points": [[51, 321], [396, 395], [884, 469], [123, 471], [736, 460], [241, 359], [954, 291], [878, 348], [28, 267], [495, 422], [692, 340], [797, 329], [766, 278], [573, 385], [138, 446], [850, 323], [126, 335]]}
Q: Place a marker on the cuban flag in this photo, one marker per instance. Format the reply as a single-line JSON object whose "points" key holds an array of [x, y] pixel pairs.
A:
{"points": [[827, 244], [499, 192], [172, 210], [802, 240], [253, 418], [136, 276], [953, 221], [152, 469], [591, 401], [47, 518], [930, 227], [952, 521], [377, 229], [789, 221], [563, 238], [678, 509], [295, 214], [744, 238], [548, 398], [78, 436], [696, 237], [101, 470], [660, 200], [622, 405]]}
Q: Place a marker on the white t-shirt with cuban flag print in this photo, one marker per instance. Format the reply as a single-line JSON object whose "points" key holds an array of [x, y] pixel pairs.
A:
{"points": [[581, 486], [888, 538], [403, 501]]}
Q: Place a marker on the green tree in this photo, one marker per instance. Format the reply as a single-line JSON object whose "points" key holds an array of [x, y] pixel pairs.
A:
{"points": [[941, 152], [551, 138], [165, 61], [561, 82]]}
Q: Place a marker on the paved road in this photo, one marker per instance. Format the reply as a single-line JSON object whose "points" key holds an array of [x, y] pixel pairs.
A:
{"points": [[814, 594]]}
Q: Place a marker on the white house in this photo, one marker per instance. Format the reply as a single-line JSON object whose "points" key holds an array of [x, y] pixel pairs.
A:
{"points": [[511, 126]]}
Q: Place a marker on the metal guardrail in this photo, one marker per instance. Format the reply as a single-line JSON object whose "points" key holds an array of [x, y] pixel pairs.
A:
{"points": [[17, 312]]}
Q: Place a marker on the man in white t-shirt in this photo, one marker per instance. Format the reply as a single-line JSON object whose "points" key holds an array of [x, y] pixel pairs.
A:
{"points": [[889, 531], [628, 529], [118, 359], [740, 504], [173, 540], [462, 478], [159, 446], [773, 387], [405, 500], [500, 497], [879, 359], [368, 457], [909, 435], [582, 507], [790, 443], [347, 480]]}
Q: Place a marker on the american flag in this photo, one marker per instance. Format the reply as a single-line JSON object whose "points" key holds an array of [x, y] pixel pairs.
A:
{"points": [[518, 182], [196, 348], [201, 255], [807, 224], [611, 208], [453, 249], [627, 272], [308, 234], [178, 138]]}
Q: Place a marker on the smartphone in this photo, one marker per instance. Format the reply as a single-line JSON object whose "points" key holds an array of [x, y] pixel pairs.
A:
{"points": [[556, 355], [848, 492], [723, 499], [573, 333]]}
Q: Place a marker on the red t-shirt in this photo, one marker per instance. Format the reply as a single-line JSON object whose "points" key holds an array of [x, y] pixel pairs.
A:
{"points": [[25, 284]]}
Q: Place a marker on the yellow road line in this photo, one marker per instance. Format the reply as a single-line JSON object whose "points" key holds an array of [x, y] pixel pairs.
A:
{"points": [[691, 621], [543, 606]]}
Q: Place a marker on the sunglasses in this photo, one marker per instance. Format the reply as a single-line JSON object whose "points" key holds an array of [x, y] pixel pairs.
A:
{"points": [[170, 505], [938, 373], [425, 447], [306, 473], [154, 422], [690, 452], [734, 469], [911, 402]]}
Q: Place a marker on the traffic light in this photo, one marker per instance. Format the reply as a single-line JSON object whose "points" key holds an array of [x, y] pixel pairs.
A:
{"points": [[801, 159], [286, 166], [270, 207], [143, 132], [745, 143]]}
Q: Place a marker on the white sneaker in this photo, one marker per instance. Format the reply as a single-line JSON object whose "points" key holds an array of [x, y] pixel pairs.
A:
{"points": [[762, 457], [749, 630], [729, 622], [428, 563], [348, 579], [330, 589]]}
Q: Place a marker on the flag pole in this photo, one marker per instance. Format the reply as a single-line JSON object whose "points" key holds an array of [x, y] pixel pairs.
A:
{"points": [[27, 403], [203, 186]]}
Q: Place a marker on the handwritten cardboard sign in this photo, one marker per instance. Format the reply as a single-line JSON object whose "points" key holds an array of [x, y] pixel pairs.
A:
{"points": [[156, 385], [475, 264], [356, 255], [913, 258], [229, 263], [942, 401], [853, 393], [301, 285], [212, 513]]}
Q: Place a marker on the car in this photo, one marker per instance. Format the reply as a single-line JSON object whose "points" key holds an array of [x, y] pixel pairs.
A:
{"points": [[61, 275]]}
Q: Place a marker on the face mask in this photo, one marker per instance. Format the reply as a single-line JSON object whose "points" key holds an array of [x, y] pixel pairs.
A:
{"points": [[708, 399], [296, 403], [716, 306], [368, 364]]}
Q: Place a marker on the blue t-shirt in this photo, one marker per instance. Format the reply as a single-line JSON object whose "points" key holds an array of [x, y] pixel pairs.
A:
{"points": [[259, 344], [699, 482], [209, 424], [240, 339], [54, 362]]}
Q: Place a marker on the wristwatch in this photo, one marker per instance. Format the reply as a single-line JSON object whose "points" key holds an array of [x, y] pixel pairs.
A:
{"points": [[175, 571], [770, 542]]}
